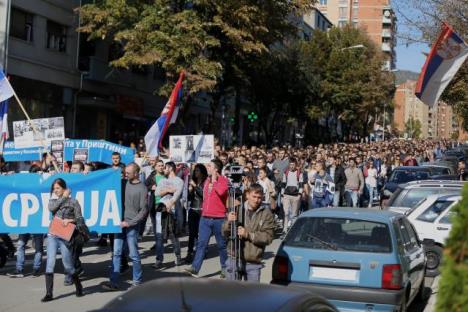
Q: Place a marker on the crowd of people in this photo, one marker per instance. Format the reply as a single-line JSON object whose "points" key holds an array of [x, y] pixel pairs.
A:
{"points": [[168, 200]]}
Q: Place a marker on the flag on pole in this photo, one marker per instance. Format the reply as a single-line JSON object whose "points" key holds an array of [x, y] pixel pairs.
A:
{"points": [[3, 124], [155, 135], [6, 91], [447, 55]]}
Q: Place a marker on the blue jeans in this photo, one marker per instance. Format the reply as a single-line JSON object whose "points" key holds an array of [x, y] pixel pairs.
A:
{"points": [[53, 244], [38, 240], [371, 190], [208, 227], [352, 197], [319, 202], [251, 271], [130, 235]]}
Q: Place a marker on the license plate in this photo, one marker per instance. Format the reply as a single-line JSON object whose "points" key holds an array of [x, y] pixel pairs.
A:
{"points": [[333, 274]]}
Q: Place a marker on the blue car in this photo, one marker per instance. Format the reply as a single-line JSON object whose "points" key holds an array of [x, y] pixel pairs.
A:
{"points": [[358, 259]]}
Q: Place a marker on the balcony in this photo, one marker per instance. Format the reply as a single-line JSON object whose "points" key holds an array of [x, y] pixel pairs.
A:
{"points": [[387, 20], [386, 47], [387, 33]]}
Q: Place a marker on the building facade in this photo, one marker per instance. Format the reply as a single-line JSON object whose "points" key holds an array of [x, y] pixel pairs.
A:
{"points": [[437, 122], [376, 17], [56, 72]]}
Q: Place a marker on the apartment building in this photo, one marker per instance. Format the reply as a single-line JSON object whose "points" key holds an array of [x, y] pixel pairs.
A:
{"points": [[376, 17]]}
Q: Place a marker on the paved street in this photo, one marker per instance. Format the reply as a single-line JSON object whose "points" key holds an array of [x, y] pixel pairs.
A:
{"points": [[24, 294]]}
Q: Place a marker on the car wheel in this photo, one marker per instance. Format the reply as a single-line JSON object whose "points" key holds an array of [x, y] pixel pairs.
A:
{"points": [[434, 257]]}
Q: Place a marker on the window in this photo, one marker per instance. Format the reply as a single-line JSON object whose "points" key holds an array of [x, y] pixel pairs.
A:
{"points": [[342, 23], [414, 240], [343, 2], [323, 2], [340, 234], [21, 25], [56, 36], [355, 12], [413, 197], [447, 219], [434, 211], [343, 13], [408, 240]]}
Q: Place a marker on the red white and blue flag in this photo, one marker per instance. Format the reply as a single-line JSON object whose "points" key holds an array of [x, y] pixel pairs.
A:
{"points": [[447, 55], [155, 135]]}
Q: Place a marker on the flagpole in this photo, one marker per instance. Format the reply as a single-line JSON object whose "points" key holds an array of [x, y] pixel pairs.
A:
{"points": [[34, 129]]}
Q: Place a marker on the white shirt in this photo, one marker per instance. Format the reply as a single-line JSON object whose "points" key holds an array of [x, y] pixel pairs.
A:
{"points": [[371, 178]]}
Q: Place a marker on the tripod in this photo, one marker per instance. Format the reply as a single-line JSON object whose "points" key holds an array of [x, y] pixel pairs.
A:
{"points": [[236, 247]]}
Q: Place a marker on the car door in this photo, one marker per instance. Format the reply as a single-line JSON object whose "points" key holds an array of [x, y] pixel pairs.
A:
{"points": [[413, 255]]}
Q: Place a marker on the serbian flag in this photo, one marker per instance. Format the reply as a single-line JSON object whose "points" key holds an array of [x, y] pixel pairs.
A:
{"points": [[155, 135], [446, 57]]}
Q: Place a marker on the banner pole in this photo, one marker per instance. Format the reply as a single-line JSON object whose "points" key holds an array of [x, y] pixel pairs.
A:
{"points": [[35, 130]]}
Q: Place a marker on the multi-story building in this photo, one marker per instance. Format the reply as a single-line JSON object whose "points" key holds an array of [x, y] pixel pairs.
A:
{"points": [[376, 17], [437, 122], [56, 72]]}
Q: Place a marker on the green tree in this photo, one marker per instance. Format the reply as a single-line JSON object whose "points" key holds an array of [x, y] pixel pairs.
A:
{"points": [[453, 286], [343, 80], [413, 128]]}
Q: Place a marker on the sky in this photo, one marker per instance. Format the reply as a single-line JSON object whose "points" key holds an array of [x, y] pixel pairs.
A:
{"points": [[408, 57]]}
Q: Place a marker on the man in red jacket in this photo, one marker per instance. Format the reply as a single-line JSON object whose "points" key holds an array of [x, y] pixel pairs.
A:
{"points": [[215, 194]]}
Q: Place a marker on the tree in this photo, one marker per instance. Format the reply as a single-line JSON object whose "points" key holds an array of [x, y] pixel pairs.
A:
{"points": [[413, 128], [345, 83], [453, 286]]}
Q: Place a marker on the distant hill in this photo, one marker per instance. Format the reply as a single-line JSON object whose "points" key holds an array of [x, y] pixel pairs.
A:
{"points": [[403, 75]]}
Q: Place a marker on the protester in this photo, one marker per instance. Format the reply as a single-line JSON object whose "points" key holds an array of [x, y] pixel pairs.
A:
{"points": [[269, 192], [322, 193], [170, 191], [196, 204], [292, 187], [337, 173], [215, 193], [354, 184], [135, 211], [63, 207], [256, 231], [152, 182], [371, 182], [461, 173]]}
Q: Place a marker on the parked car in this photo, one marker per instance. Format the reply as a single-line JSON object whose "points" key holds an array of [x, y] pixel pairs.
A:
{"points": [[358, 259], [405, 174], [431, 219], [408, 195], [188, 294], [440, 168]]}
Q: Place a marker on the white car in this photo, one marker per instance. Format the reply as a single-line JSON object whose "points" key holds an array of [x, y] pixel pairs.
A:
{"points": [[431, 220]]}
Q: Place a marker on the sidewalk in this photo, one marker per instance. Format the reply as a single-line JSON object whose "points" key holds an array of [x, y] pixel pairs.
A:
{"points": [[430, 307]]}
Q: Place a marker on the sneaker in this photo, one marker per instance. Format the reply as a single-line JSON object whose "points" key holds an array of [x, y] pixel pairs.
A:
{"points": [[102, 242], [222, 274], [16, 274], [191, 272], [157, 265], [108, 286], [178, 261], [36, 273], [67, 282]]}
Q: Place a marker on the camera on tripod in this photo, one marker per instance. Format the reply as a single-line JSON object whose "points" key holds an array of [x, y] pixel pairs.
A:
{"points": [[235, 173]]}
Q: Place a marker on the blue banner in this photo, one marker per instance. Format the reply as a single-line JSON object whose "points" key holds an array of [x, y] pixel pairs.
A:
{"points": [[24, 200], [99, 150]]}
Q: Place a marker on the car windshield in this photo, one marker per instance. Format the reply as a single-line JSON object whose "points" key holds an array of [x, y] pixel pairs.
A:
{"points": [[404, 176], [439, 170], [411, 198], [339, 234]]}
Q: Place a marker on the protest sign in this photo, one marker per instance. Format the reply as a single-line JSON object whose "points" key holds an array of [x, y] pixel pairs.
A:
{"points": [[24, 200], [49, 129], [11, 153], [191, 148], [56, 149], [80, 154]]}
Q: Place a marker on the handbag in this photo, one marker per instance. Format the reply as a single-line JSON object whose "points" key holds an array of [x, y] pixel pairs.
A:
{"points": [[83, 229], [57, 228]]}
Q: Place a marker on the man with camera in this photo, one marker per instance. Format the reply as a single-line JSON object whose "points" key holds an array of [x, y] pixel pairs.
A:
{"points": [[255, 227]]}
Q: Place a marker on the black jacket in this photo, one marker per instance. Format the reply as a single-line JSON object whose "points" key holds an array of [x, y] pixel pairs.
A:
{"points": [[339, 178], [196, 196]]}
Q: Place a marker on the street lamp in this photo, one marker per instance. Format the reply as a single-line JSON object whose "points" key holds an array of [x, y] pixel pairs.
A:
{"points": [[358, 46]]}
